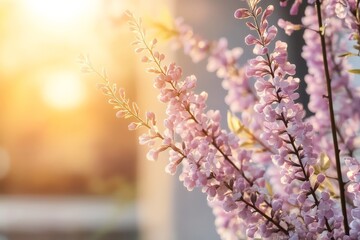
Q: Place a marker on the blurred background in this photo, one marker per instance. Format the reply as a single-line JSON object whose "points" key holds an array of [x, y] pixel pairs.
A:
{"points": [[68, 168]]}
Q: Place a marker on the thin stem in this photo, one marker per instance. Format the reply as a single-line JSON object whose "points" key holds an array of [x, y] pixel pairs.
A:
{"points": [[332, 119], [269, 219]]}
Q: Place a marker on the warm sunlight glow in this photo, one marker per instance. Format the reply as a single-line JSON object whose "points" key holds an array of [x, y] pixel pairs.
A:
{"points": [[63, 90], [60, 13]]}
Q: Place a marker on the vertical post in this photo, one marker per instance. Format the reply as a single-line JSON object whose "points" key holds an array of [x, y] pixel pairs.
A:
{"points": [[155, 210]]}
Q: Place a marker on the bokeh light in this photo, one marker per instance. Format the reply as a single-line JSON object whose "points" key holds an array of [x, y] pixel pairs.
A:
{"points": [[63, 90]]}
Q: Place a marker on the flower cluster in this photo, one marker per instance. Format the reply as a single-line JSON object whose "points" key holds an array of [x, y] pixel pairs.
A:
{"points": [[283, 126], [276, 174], [354, 189]]}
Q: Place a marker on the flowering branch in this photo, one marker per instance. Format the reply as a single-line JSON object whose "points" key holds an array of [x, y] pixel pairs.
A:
{"points": [[181, 91], [276, 96], [274, 176]]}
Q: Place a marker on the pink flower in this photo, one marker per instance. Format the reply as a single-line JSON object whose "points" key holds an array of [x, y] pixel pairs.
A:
{"points": [[242, 13], [288, 26], [295, 7]]}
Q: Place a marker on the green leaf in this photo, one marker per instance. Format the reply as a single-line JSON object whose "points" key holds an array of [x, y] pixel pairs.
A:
{"points": [[268, 188], [324, 164], [355, 71], [357, 47], [237, 127], [347, 54], [233, 122], [322, 30]]}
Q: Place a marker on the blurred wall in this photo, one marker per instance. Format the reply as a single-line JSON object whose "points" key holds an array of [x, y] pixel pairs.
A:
{"points": [[155, 201]]}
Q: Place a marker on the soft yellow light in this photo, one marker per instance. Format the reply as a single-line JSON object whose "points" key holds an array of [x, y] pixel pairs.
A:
{"points": [[63, 90], [59, 13]]}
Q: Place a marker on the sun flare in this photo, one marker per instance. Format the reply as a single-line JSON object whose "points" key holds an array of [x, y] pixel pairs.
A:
{"points": [[59, 13]]}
